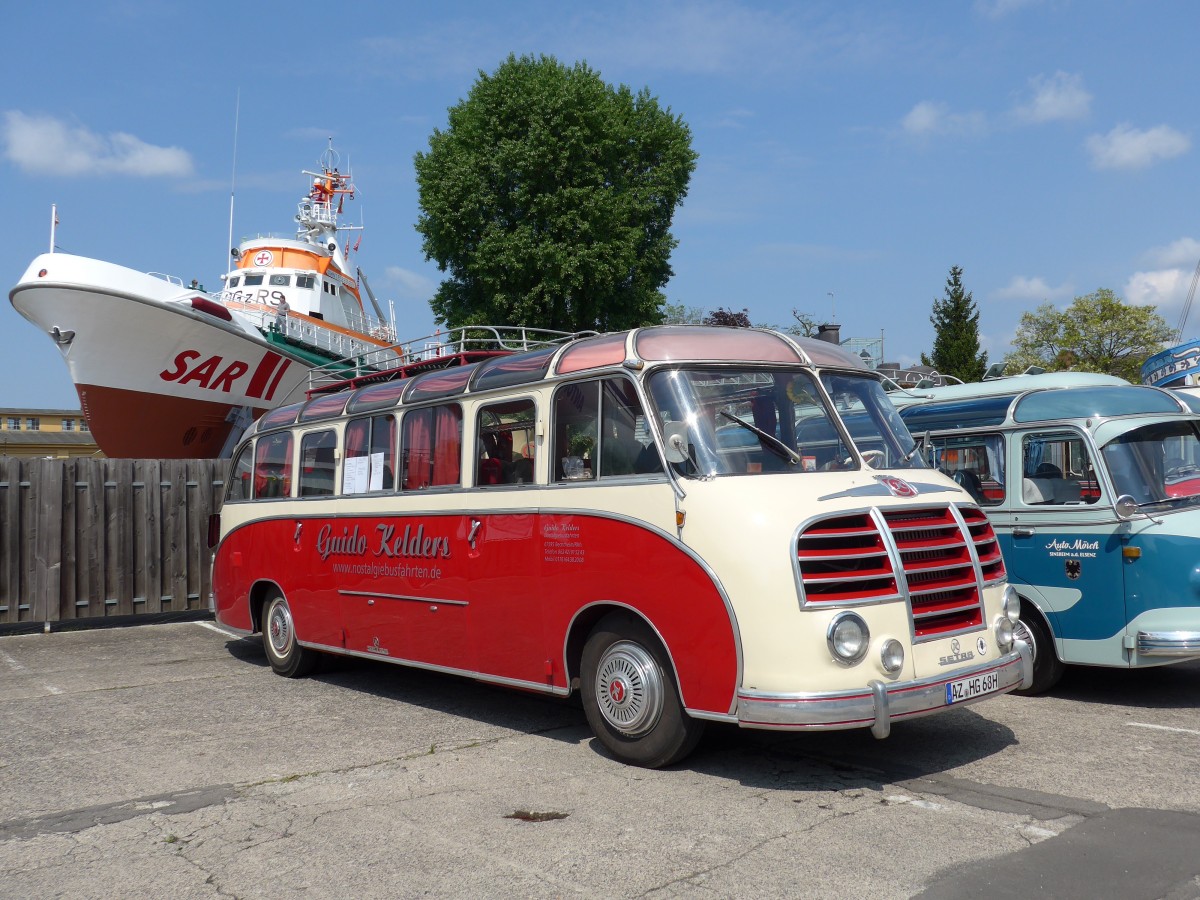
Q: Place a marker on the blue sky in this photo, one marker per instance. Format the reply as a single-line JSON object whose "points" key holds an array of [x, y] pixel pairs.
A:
{"points": [[1048, 147]]}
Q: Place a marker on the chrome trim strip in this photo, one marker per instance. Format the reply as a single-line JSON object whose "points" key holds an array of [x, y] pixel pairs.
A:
{"points": [[444, 670], [432, 601], [1168, 643], [877, 705]]}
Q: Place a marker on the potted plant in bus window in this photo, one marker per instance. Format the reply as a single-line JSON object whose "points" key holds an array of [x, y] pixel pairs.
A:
{"points": [[579, 449]]}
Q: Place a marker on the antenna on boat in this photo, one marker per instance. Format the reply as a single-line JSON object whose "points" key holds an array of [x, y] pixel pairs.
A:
{"points": [[53, 224], [237, 111]]}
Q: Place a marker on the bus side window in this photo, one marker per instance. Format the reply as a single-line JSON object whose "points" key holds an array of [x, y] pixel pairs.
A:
{"points": [[506, 443], [239, 476], [431, 447], [273, 466], [575, 425], [370, 455], [318, 462], [622, 452]]}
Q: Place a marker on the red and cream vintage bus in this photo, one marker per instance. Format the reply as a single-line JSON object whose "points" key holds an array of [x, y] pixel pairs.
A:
{"points": [[683, 523]]}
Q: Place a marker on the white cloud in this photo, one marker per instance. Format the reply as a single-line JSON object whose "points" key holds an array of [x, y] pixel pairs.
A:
{"points": [[1125, 147], [1036, 289], [1060, 96], [44, 145], [1183, 252], [997, 9], [1164, 288], [408, 283], [930, 117]]}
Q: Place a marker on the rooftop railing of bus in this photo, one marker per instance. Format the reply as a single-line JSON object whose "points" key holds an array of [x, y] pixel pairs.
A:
{"points": [[437, 349]]}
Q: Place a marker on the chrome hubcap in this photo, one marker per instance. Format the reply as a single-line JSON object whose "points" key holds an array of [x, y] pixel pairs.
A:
{"points": [[629, 688], [1022, 632], [279, 627]]}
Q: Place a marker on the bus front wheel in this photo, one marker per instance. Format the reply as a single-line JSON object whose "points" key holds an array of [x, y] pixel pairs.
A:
{"points": [[630, 696], [284, 652], [1047, 667]]}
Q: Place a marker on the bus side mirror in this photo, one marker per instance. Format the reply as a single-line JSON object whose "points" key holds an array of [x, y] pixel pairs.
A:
{"points": [[1126, 506], [676, 439]]}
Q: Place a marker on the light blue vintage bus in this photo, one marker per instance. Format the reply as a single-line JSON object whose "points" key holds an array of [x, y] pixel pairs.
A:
{"points": [[1093, 487]]}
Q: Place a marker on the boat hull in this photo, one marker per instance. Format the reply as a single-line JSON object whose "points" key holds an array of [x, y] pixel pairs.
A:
{"points": [[156, 377]]}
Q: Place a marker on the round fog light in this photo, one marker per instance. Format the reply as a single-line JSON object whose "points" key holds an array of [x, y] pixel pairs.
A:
{"points": [[1011, 604], [892, 656], [848, 637], [1004, 634]]}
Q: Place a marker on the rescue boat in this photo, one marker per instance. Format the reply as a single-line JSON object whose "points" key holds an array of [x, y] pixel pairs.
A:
{"points": [[167, 370]]}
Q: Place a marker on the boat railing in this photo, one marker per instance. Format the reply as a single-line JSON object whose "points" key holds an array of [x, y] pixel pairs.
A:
{"points": [[374, 335], [169, 279], [435, 351]]}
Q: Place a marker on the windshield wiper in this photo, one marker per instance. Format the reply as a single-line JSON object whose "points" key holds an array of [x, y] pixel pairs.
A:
{"points": [[780, 448]]}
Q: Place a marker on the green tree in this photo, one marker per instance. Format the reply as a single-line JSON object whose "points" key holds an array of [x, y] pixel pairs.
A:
{"points": [[1098, 332], [956, 340], [548, 200], [681, 314]]}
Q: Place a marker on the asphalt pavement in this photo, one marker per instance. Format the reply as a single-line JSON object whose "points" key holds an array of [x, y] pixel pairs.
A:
{"points": [[168, 760]]}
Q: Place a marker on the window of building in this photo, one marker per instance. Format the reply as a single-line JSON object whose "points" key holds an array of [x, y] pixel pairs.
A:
{"points": [[33, 424], [13, 423], [83, 425], [68, 424]]}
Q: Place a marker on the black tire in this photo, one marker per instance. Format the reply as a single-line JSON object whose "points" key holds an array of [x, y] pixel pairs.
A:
{"points": [[630, 697], [284, 652], [1047, 667]]}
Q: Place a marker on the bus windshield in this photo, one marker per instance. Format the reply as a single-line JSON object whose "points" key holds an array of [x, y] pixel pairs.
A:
{"points": [[749, 421], [1157, 463]]}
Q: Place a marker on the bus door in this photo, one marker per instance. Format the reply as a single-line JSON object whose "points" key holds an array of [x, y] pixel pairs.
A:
{"points": [[1057, 537], [499, 541], [409, 599]]}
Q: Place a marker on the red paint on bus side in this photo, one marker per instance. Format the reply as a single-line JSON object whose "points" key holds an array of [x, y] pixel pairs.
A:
{"points": [[417, 588]]}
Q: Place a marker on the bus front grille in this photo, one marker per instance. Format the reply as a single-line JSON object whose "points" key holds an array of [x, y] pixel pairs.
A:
{"points": [[846, 559]]}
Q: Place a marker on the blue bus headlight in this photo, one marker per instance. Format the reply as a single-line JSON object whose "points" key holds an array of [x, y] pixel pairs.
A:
{"points": [[848, 637]]}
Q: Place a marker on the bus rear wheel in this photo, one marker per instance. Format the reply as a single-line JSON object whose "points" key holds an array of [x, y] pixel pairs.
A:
{"points": [[630, 697], [1047, 667], [284, 652]]}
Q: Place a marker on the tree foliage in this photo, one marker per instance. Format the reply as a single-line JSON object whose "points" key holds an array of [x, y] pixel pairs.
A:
{"points": [[723, 316], [548, 200], [681, 314], [1098, 332], [956, 340]]}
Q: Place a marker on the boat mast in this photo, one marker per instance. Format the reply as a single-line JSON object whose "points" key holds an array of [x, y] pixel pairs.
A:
{"points": [[237, 110]]}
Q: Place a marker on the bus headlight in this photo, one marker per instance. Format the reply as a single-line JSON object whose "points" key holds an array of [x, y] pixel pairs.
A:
{"points": [[848, 637], [1011, 604], [1004, 634], [891, 655]]}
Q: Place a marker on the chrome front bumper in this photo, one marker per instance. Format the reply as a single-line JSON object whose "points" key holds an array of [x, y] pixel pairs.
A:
{"points": [[879, 704], [1168, 643]]}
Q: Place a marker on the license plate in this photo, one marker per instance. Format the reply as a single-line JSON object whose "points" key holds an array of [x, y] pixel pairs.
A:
{"points": [[970, 688]]}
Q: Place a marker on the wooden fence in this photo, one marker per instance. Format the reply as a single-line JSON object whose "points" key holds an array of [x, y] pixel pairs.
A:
{"points": [[86, 539]]}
